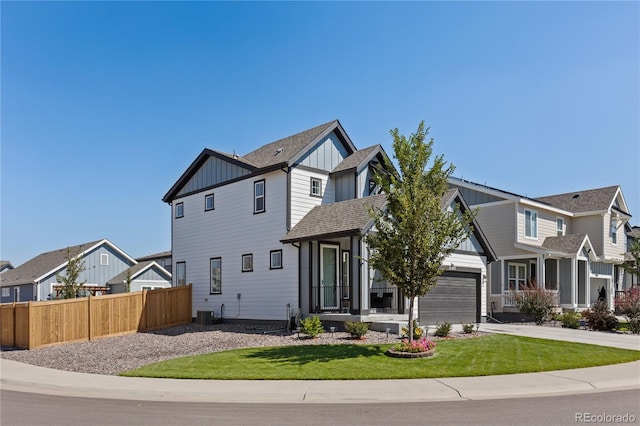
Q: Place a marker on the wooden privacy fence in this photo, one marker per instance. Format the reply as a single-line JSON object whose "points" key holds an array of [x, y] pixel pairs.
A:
{"points": [[34, 324]]}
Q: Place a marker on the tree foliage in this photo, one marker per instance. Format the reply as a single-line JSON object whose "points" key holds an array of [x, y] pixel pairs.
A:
{"points": [[415, 232], [69, 282], [535, 301]]}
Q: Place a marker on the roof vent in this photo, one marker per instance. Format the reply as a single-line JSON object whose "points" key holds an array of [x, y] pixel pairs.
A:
{"points": [[278, 151], [575, 196]]}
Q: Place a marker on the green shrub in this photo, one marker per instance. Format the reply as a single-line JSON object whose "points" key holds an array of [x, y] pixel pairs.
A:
{"points": [[534, 301], [467, 328], [570, 320], [599, 317], [629, 306], [417, 331], [311, 326], [357, 329], [443, 330]]}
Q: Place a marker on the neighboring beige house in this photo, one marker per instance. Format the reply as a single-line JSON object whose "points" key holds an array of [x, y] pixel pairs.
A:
{"points": [[571, 243]]}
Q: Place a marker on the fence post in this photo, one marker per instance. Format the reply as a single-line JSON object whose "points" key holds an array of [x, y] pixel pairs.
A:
{"points": [[30, 337], [145, 314], [14, 325], [90, 325]]}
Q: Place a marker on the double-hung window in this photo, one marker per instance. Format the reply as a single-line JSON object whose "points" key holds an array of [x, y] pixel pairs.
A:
{"points": [[560, 226], [517, 279], [258, 197], [208, 202], [316, 187], [614, 233], [531, 224], [216, 275]]}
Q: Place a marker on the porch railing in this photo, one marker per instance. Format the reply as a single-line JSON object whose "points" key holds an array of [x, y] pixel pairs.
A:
{"points": [[338, 299], [509, 296]]}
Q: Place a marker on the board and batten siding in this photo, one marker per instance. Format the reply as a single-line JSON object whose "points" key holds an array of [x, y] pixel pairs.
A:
{"points": [[344, 186], [325, 155], [94, 273], [228, 232], [301, 199], [215, 170]]}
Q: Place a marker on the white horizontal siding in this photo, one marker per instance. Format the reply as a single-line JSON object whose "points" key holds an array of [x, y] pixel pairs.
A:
{"points": [[301, 200], [228, 232]]}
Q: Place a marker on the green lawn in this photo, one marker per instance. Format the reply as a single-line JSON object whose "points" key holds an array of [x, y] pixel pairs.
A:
{"points": [[483, 356]]}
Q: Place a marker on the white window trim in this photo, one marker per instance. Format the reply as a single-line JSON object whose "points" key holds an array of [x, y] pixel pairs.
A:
{"points": [[6, 291], [613, 234], [517, 277], [271, 264], [104, 259], [563, 230], [311, 192], [531, 212]]}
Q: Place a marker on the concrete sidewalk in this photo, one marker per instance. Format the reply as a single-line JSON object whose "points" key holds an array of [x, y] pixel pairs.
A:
{"points": [[27, 378]]}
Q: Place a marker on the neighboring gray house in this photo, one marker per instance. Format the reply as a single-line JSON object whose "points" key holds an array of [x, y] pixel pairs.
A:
{"points": [[35, 279], [631, 280], [147, 275], [572, 244], [5, 265], [281, 228], [163, 259]]}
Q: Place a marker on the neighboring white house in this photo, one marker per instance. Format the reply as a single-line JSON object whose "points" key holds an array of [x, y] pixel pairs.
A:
{"points": [[280, 229], [36, 278], [571, 243]]}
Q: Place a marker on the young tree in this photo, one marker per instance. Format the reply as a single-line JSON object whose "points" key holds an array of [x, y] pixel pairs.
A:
{"points": [[70, 284], [415, 232], [127, 282]]}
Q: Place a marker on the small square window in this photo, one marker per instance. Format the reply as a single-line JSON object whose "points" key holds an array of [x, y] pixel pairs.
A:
{"points": [[247, 262], [104, 259], [6, 292], [179, 210], [208, 202], [276, 259], [316, 187]]}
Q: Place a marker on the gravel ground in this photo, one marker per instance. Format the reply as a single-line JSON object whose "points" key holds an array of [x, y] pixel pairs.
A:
{"points": [[113, 355]]}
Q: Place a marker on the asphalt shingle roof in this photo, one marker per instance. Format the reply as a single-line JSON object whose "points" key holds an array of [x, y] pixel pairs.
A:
{"points": [[355, 159], [283, 150], [569, 244], [40, 265], [121, 277], [342, 218], [582, 201]]}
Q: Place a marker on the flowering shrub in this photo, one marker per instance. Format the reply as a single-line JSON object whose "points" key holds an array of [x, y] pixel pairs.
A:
{"points": [[421, 345], [629, 306], [599, 317]]}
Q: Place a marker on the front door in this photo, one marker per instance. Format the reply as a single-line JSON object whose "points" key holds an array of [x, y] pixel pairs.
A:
{"points": [[329, 276]]}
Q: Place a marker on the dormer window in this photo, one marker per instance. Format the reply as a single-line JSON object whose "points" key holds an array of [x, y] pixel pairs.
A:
{"points": [[531, 224]]}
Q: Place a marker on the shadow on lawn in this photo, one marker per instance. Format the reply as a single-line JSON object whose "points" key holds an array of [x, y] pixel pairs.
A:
{"points": [[305, 354]]}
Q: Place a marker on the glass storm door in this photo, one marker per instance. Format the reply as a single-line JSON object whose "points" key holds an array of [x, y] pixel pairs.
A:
{"points": [[329, 277]]}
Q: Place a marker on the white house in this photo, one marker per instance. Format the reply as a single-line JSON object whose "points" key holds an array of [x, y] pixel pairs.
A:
{"points": [[281, 228]]}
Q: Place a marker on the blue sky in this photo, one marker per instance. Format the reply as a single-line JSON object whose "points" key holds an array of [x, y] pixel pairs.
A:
{"points": [[105, 104]]}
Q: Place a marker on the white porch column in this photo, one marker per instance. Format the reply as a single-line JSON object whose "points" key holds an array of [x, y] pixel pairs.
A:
{"points": [[574, 282], [587, 284], [541, 273]]}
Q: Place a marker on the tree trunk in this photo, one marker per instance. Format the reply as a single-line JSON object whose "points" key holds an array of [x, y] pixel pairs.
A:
{"points": [[411, 299]]}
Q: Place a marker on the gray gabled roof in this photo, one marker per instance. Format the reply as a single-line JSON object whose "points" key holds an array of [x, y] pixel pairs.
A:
{"points": [[137, 270], [343, 218], [289, 148], [567, 244], [5, 264], [154, 256], [357, 158], [591, 200], [40, 265]]}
